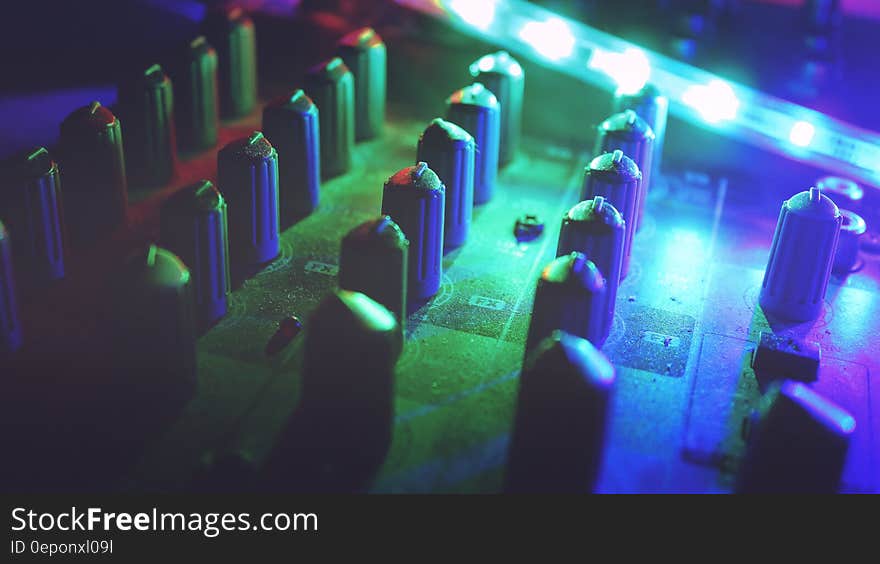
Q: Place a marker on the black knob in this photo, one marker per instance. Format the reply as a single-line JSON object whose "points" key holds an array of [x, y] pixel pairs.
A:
{"points": [[477, 111], [414, 198], [350, 397], [196, 97], [93, 161], [652, 106], [231, 32], [247, 172], [504, 77], [363, 52], [291, 125], [153, 328], [373, 261], [570, 297], [33, 209], [331, 86], [10, 323], [193, 226], [596, 229], [616, 178], [449, 151], [147, 104], [798, 442], [631, 134], [561, 417], [801, 257]]}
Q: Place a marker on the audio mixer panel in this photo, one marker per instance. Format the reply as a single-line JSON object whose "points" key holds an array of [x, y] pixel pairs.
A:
{"points": [[411, 259]]}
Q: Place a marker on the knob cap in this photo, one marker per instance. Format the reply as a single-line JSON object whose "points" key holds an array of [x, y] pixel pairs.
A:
{"points": [[595, 229], [291, 125], [331, 86], [617, 179], [247, 171], [561, 417], [153, 323], [414, 198], [193, 226], [801, 256], [449, 151], [653, 107], [196, 96], [94, 173], [33, 209], [146, 103], [504, 77], [231, 32], [373, 261], [349, 398], [364, 54], [852, 229], [10, 322], [631, 134], [476, 109], [570, 297], [798, 443]]}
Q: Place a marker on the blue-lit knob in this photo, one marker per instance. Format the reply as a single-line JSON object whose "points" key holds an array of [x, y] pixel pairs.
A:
{"points": [[570, 297], [193, 226], [798, 442], [562, 413], [10, 322], [617, 179], [291, 125], [95, 185], [415, 199], [331, 86], [504, 77], [852, 229], [363, 52], [449, 151], [32, 207], [801, 257], [631, 134], [247, 172], [653, 107], [476, 109], [596, 229]]}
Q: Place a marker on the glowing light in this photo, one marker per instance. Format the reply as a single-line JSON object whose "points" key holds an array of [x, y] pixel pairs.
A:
{"points": [[551, 38], [629, 69], [802, 133], [478, 13], [715, 101]]}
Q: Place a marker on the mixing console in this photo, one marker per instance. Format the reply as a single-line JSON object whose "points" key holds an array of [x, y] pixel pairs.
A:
{"points": [[352, 249]]}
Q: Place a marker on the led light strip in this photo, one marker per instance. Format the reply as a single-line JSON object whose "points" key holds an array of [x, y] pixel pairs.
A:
{"points": [[696, 96]]}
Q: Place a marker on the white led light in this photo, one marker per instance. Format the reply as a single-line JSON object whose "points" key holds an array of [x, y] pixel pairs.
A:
{"points": [[802, 133], [551, 38], [714, 101], [478, 13], [629, 69]]}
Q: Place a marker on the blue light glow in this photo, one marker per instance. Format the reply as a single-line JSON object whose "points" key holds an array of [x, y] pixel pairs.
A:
{"points": [[715, 101], [629, 69], [551, 38], [802, 133], [478, 13]]}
